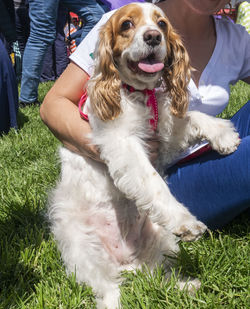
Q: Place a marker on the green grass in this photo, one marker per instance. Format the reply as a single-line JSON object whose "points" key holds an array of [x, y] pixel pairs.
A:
{"points": [[31, 272]]}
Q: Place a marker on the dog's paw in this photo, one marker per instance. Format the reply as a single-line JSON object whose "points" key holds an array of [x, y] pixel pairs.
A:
{"points": [[110, 300], [190, 231], [190, 285], [226, 140]]}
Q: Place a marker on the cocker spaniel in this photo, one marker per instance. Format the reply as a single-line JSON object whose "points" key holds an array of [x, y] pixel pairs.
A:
{"points": [[118, 215]]}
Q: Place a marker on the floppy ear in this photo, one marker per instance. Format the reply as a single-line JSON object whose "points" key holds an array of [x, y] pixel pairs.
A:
{"points": [[177, 73], [104, 86]]}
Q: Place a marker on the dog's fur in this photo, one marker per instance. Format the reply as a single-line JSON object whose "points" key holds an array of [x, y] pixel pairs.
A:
{"points": [[119, 215]]}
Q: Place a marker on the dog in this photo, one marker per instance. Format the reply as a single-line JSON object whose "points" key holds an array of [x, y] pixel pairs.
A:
{"points": [[120, 214]]}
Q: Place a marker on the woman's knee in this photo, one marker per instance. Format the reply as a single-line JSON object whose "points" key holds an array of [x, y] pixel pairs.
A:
{"points": [[241, 120]]}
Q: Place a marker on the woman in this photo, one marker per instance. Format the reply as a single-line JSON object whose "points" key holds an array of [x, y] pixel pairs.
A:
{"points": [[215, 188]]}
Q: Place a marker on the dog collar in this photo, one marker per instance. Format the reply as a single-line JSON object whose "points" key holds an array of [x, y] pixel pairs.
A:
{"points": [[81, 105], [151, 103]]}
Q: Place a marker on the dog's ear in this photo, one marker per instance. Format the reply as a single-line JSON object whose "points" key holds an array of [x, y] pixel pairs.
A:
{"points": [[104, 86], [177, 73]]}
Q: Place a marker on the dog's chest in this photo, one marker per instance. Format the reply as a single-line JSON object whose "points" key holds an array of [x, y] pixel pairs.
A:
{"points": [[136, 114]]}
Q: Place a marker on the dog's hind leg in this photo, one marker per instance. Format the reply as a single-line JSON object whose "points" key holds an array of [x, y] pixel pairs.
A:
{"points": [[84, 256], [111, 298]]}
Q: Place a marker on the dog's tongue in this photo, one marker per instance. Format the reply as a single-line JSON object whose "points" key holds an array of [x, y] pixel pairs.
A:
{"points": [[150, 66]]}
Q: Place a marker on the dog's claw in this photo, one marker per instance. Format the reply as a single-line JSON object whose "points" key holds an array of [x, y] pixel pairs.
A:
{"points": [[190, 232]]}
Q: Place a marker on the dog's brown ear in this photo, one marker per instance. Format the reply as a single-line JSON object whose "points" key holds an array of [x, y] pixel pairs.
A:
{"points": [[104, 86], [177, 73]]}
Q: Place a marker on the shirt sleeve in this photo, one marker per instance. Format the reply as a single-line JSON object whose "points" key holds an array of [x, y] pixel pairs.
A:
{"points": [[84, 54]]}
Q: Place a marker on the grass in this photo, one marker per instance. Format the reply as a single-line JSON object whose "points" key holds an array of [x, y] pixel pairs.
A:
{"points": [[31, 272]]}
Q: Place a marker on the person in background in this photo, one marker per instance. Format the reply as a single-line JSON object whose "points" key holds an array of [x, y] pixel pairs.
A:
{"points": [[73, 31], [56, 59], [115, 4], [43, 16], [22, 33], [9, 35], [243, 14], [213, 187], [70, 28], [22, 23], [8, 82], [7, 23], [8, 92]]}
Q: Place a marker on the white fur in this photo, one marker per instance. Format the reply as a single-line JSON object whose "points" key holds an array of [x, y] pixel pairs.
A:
{"points": [[121, 214]]}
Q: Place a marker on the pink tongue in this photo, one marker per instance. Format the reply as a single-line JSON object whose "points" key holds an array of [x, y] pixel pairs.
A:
{"points": [[150, 68]]}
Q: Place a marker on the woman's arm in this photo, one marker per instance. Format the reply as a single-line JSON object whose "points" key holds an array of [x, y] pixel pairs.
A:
{"points": [[59, 111]]}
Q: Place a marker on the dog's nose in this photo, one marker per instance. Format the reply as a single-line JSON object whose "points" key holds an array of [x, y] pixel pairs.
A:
{"points": [[152, 37]]}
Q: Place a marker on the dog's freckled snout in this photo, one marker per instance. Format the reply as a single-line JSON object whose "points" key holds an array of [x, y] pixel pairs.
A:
{"points": [[152, 37]]}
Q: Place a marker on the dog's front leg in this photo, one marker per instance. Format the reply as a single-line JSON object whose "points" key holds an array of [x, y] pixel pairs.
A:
{"points": [[220, 133], [134, 175]]}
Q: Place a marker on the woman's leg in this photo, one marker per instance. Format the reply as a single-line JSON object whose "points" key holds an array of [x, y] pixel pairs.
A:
{"points": [[241, 120], [213, 187]]}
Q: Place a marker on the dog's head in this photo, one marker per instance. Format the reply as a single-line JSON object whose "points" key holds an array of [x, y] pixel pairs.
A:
{"points": [[138, 46]]}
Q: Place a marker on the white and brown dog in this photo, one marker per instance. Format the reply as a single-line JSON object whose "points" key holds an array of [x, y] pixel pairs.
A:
{"points": [[119, 215]]}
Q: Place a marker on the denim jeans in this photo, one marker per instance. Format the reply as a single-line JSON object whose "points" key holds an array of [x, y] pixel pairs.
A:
{"points": [[56, 58], [43, 16], [213, 187], [88, 10], [22, 26]]}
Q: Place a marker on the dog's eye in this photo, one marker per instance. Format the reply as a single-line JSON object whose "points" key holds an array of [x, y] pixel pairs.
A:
{"points": [[162, 24], [126, 25]]}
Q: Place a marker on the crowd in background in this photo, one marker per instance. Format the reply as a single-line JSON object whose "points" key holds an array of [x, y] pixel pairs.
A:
{"points": [[37, 37]]}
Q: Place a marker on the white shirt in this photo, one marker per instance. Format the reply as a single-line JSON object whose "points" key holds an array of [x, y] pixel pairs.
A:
{"points": [[229, 63]]}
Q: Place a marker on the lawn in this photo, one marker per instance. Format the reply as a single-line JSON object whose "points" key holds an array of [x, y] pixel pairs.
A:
{"points": [[31, 272]]}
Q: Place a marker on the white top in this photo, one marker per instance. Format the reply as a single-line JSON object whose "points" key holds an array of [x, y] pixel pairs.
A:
{"points": [[83, 56], [229, 63]]}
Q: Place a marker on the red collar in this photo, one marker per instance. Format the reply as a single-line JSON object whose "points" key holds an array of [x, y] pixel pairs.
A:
{"points": [[151, 103]]}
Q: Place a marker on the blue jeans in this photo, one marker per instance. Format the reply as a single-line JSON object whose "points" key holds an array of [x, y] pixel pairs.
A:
{"points": [[213, 187], [88, 10], [56, 58], [43, 16]]}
